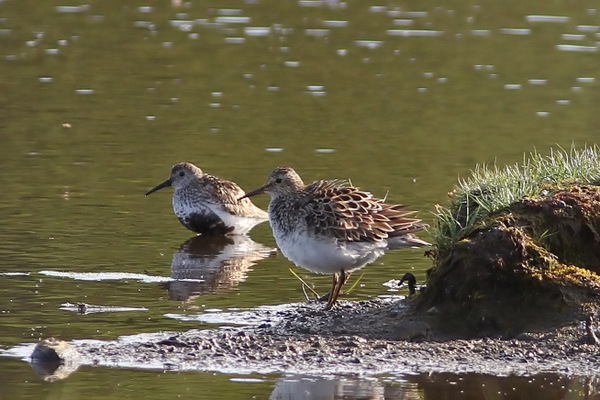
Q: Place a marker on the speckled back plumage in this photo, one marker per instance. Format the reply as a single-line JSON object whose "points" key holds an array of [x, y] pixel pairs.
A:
{"points": [[218, 191], [207, 204], [348, 213], [336, 209]]}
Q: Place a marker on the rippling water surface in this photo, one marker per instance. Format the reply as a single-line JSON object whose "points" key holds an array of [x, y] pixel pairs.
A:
{"points": [[99, 99]]}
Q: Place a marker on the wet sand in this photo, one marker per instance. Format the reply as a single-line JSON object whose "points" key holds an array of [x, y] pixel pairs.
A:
{"points": [[363, 338]]}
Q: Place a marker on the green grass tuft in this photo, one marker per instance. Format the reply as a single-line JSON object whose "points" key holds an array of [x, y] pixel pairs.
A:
{"points": [[491, 189]]}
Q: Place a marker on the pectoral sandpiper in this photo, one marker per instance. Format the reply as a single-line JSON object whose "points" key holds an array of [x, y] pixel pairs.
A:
{"points": [[209, 205], [331, 227]]}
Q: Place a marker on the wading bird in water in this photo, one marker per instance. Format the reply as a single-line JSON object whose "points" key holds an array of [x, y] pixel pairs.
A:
{"points": [[209, 205]]}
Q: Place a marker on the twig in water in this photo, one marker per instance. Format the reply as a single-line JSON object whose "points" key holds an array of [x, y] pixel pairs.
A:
{"points": [[304, 284], [304, 291]]}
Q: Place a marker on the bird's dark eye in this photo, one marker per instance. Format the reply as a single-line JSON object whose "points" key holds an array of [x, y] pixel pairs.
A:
{"points": [[278, 180], [182, 173]]}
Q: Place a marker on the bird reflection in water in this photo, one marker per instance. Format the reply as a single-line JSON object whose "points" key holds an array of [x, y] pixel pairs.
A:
{"points": [[341, 387], [212, 264]]}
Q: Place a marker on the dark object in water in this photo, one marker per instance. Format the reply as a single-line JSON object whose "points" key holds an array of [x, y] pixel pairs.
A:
{"points": [[54, 359], [411, 281]]}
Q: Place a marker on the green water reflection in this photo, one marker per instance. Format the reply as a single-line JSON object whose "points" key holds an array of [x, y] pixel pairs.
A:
{"points": [[97, 101], [94, 383]]}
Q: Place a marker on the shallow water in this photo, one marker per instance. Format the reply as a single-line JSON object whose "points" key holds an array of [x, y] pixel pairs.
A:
{"points": [[98, 100]]}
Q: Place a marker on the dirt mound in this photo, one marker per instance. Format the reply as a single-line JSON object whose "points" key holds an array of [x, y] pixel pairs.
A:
{"points": [[532, 266]]}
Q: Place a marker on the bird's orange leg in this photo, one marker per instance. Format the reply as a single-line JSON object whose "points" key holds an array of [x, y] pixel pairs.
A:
{"points": [[327, 296], [338, 281]]}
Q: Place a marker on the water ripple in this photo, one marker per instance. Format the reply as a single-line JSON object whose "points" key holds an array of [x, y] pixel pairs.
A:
{"points": [[515, 31], [572, 47], [547, 18], [413, 32]]}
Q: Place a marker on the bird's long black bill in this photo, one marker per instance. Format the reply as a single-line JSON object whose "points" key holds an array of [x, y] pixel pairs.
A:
{"points": [[253, 193], [163, 185]]}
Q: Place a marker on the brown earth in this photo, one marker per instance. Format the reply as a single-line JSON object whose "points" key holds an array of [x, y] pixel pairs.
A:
{"points": [[362, 338], [531, 267]]}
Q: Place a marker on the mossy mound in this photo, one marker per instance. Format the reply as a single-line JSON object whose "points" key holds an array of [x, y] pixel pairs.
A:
{"points": [[532, 265]]}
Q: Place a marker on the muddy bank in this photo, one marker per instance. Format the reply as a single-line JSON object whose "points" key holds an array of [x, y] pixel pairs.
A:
{"points": [[533, 265], [363, 338]]}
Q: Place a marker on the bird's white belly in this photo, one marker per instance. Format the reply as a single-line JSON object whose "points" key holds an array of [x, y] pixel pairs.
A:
{"points": [[242, 225], [327, 256]]}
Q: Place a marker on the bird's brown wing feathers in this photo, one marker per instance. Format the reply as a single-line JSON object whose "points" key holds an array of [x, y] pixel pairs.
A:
{"points": [[229, 192], [350, 214]]}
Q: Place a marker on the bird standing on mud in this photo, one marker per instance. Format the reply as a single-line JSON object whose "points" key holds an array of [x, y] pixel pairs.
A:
{"points": [[331, 227]]}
